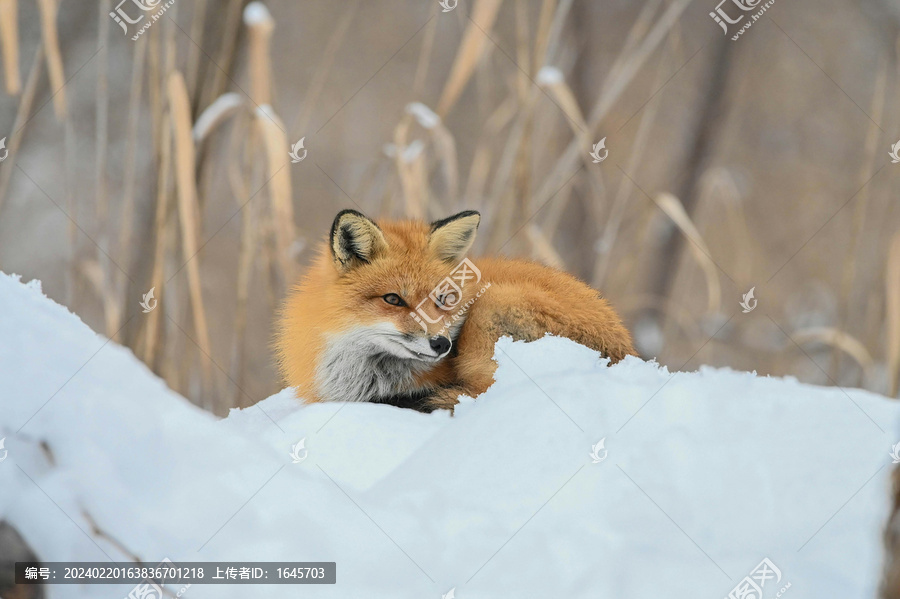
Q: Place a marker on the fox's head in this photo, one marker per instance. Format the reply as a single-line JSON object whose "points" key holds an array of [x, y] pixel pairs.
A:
{"points": [[409, 279], [385, 302]]}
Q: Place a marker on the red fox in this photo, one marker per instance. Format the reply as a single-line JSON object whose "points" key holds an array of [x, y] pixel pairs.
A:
{"points": [[395, 313]]}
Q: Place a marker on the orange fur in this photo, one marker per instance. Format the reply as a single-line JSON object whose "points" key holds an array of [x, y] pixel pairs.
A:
{"points": [[525, 300]]}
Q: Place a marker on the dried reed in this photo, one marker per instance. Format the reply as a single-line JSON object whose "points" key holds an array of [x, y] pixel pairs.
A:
{"points": [[50, 36], [523, 157], [26, 101], [892, 296], [484, 14], [188, 211], [9, 43], [673, 208]]}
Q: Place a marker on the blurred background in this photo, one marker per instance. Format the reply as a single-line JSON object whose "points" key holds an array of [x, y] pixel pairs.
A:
{"points": [[151, 150]]}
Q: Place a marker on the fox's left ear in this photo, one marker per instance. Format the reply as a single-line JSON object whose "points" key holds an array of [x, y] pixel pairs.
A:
{"points": [[452, 237], [355, 240]]}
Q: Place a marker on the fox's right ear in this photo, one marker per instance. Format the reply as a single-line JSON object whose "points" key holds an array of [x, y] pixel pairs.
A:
{"points": [[355, 240], [452, 237]]}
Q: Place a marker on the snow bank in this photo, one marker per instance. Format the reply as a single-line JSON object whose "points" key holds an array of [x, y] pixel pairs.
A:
{"points": [[702, 476]]}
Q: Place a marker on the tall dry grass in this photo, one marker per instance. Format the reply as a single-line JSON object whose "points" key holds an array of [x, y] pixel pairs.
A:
{"points": [[501, 120]]}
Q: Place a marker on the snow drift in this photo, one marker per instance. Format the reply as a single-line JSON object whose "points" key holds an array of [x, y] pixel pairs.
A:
{"points": [[701, 475]]}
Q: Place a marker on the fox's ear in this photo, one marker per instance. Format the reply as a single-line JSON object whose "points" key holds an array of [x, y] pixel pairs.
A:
{"points": [[452, 237], [355, 240]]}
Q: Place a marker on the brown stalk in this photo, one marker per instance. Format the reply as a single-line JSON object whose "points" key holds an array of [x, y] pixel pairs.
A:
{"points": [[126, 218], [111, 310], [553, 33], [71, 208], [249, 240], [701, 146], [410, 167], [188, 210], [481, 161], [22, 114], [240, 132], [93, 273], [612, 90], [50, 35], [217, 113], [542, 249], [523, 57], [260, 26], [542, 35], [193, 61], [225, 57], [404, 153], [424, 59], [502, 194], [522, 177], [278, 175], [470, 50], [635, 60], [892, 304], [674, 209], [101, 115], [719, 184], [9, 40], [637, 31], [837, 339], [259, 32], [170, 45], [324, 68], [151, 336], [620, 203], [860, 210], [155, 88], [444, 143], [517, 141]]}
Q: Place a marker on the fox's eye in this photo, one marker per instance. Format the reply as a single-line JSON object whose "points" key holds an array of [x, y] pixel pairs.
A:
{"points": [[393, 299]]}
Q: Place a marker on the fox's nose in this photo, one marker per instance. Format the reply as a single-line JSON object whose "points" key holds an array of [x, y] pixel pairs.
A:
{"points": [[439, 344]]}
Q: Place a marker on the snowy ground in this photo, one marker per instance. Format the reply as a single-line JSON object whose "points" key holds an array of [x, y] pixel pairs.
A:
{"points": [[706, 474]]}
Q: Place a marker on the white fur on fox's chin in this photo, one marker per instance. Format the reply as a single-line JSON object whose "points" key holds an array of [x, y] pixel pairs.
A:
{"points": [[372, 362]]}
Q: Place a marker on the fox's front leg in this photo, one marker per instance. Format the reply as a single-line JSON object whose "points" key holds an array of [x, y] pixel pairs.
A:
{"points": [[426, 400], [430, 399], [442, 398], [478, 381]]}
